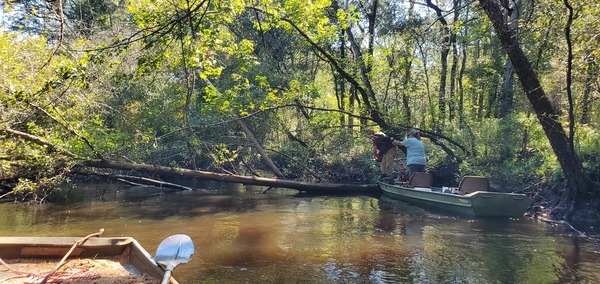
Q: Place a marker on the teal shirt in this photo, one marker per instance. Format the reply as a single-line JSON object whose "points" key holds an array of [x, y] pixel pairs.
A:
{"points": [[415, 152]]}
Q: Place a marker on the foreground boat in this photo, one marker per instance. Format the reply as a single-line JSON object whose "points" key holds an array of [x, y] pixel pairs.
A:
{"points": [[93, 260], [471, 198]]}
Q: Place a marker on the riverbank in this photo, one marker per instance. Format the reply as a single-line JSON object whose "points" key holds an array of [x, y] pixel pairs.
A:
{"points": [[550, 205]]}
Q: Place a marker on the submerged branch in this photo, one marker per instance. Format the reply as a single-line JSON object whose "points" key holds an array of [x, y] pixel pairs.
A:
{"points": [[139, 181]]}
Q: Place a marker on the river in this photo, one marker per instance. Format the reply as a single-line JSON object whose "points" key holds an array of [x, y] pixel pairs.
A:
{"points": [[244, 235]]}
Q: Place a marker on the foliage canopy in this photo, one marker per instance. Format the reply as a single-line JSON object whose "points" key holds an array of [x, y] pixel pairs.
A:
{"points": [[167, 82]]}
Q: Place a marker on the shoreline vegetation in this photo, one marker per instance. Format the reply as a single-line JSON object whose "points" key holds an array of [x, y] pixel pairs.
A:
{"points": [[547, 207]]}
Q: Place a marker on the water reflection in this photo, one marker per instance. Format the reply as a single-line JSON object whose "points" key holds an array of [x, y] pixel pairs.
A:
{"points": [[244, 236]]}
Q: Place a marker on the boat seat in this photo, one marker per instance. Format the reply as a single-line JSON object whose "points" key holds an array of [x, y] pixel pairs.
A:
{"points": [[470, 184], [420, 179]]}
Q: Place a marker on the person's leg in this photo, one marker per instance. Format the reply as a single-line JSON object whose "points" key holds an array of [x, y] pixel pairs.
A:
{"points": [[382, 165], [415, 168], [420, 168], [387, 163], [410, 171]]}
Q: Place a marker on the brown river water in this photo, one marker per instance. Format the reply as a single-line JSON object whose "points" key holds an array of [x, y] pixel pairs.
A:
{"points": [[243, 235]]}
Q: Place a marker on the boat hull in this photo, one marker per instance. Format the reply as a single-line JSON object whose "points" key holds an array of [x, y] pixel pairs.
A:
{"points": [[476, 204], [54, 248]]}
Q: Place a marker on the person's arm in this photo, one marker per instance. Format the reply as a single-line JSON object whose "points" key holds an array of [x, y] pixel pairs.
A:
{"points": [[397, 142]]}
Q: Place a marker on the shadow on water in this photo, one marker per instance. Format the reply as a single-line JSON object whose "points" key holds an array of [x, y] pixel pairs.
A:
{"points": [[151, 202], [243, 235]]}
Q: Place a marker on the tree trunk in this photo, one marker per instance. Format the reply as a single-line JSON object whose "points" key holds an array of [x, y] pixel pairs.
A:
{"points": [[271, 182], [409, 54], [507, 91], [342, 83], [461, 73], [455, 59], [259, 147], [406, 90], [586, 100], [446, 38], [580, 185], [261, 150]]}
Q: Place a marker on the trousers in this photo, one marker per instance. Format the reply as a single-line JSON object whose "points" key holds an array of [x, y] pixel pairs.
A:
{"points": [[387, 162]]}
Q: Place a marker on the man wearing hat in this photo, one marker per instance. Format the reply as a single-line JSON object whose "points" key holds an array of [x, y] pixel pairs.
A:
{"points": [[415, 152], [384, 152]]}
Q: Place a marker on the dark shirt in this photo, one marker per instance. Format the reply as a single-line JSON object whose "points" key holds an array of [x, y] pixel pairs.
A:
{"points": [[382, 142]]}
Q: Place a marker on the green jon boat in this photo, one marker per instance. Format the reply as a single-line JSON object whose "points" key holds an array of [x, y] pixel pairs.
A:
{"points": [[470, 198]]}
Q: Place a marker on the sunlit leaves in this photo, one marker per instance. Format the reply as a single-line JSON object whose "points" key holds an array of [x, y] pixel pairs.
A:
{"points": [[347, 17], [210, 61], [19, 55]]}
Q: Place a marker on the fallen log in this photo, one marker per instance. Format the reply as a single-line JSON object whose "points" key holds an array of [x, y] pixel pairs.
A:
{"points": [[246, 180], [137, 181]]}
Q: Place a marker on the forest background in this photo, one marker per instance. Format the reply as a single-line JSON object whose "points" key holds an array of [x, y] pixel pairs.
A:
{"points": [[504, 89]]}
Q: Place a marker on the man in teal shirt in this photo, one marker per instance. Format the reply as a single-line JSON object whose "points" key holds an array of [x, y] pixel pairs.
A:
{"points": [[415, 152]]}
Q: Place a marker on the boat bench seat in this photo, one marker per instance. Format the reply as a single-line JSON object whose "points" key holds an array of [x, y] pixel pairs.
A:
{"points": [[470, 184], [420, 179]]}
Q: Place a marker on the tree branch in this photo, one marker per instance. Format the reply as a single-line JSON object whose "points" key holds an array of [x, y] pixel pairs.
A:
{"points": [[373, 111], [37, 140]]}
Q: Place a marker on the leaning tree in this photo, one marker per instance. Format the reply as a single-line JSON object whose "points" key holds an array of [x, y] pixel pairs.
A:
{"points": [[581, 186]]}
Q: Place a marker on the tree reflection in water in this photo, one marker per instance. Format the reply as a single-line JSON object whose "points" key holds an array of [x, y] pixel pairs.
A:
{"points": [[242, 235]]}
